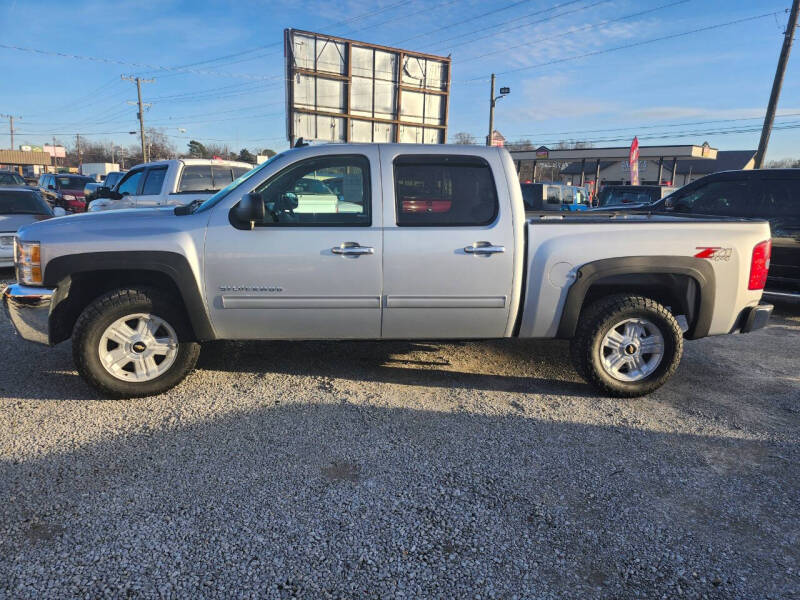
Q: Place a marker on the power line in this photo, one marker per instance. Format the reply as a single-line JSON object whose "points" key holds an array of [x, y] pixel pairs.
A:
{"points": [[575, 30], [116, 61], [633, 44], [467, 20], [441, 43], [661, 126]]}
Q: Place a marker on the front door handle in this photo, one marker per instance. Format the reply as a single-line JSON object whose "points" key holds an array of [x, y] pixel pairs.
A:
{"points": [[484, 248], [352, 249]]}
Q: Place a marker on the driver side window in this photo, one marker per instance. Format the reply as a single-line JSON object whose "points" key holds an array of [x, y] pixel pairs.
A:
{"points": [[328, 190]]}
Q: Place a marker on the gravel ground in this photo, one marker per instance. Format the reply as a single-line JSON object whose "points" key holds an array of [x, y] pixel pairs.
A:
{"points": [[418, 470]]}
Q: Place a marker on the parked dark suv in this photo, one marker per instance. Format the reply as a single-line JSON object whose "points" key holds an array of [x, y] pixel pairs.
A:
{"points": [[771, 194]]}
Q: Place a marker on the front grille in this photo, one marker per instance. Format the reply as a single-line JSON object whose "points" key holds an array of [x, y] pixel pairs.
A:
{"points": [[6, 240]]}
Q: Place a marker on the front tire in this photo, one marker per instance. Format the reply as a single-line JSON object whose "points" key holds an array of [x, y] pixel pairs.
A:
{"points": [[626, 346], [133, 342]]}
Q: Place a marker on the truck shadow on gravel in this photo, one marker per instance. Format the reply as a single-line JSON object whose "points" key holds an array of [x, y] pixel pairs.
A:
{"points": [[339, 500], [430, 364]]}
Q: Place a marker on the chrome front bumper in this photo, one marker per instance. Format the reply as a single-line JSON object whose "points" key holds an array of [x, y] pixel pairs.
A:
{"points": [[28, 309]]}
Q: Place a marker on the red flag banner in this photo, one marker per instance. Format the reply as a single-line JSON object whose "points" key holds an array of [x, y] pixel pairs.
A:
{"points": [[633, 161]]}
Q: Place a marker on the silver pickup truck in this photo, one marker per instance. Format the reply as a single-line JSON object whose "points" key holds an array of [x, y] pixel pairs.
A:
{"points": [[435, 244]]}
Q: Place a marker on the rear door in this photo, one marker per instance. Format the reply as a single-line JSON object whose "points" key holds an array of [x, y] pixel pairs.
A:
{"points": [[195, 182], [448, 246]]}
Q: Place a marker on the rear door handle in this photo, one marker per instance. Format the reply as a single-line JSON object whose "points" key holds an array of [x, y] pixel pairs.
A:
{"points": [[484, 248], [352, 249]]}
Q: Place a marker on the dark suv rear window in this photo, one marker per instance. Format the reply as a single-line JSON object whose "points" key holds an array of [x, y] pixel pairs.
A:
{"points": [[444, 191]]}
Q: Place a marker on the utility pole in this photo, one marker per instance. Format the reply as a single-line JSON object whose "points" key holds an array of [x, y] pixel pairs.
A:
{"points": [[139, 81], [504, 91], [78, 145], [777, 83], [10, 126]]}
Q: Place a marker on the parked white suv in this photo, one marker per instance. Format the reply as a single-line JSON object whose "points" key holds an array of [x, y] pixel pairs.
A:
{"points": [[170, 183]]}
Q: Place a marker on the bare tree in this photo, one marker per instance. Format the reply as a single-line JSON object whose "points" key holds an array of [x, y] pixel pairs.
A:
{"points": [[784, 163], [464, 138]]}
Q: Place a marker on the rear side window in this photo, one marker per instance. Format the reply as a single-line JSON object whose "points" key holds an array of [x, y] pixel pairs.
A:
{"points": [[444, 191], [222, 176], [532, 196], [553, 194], [196, 178], [154, 181], [781, 198], [726, 198]]}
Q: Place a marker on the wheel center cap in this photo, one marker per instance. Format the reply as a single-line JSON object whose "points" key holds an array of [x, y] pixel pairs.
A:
{"points": [[139, 347], [629, 349]]}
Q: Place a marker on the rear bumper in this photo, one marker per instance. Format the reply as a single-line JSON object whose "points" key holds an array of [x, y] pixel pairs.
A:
{"points": [[28, 309], [756, 317], [788, 295]]}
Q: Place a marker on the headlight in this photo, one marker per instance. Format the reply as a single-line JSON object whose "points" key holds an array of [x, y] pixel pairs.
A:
{"points": [[68, 197], [28, 260]]}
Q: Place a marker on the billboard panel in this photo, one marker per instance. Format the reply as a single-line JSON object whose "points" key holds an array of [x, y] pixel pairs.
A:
{"points": [[340, 90]]}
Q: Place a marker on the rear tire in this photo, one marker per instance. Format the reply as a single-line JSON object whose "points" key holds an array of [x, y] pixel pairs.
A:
{"points": [[133, 342], [626, 346]]}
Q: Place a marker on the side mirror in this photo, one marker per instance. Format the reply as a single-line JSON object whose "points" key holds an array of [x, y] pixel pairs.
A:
{"points": [[250, 209], [102, 192], [59, 212], [51, 187]]}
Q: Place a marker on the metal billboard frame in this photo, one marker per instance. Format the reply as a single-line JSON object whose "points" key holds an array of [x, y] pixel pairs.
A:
{"points": [[396, 122]]}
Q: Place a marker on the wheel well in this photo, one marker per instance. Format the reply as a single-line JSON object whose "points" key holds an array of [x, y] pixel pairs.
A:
{"points": [[679, 293], [76, 291]]}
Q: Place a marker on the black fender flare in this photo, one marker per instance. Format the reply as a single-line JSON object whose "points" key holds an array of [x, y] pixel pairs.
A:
{"points": [[698, 269], [173, 265]]}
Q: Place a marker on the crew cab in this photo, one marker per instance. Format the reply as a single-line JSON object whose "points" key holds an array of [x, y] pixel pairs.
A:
{"points": [[168, 183], [436, 244]]}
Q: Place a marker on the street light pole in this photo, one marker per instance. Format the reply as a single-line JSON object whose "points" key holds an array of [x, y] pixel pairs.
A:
{"points": [[504, 91], [777, 83], [491, 114]]}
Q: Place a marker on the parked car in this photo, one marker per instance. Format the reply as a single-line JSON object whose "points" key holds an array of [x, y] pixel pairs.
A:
{"points": [[90, 191], [64, 190], [772, 194], [234, 268], [19, 206], [631, 196], [169, 183], [10, 178], [554, 196], [112, 179]]}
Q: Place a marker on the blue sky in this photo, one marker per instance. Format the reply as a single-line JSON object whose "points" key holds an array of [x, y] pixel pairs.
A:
{"points": [[687, 89]]}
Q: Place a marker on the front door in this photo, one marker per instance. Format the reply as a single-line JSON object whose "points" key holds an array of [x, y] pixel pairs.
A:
{"points": [[448, 247], [301, 273]]}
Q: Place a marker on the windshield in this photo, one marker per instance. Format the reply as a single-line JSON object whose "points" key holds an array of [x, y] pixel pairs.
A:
{"points": [[22, 203], [214, 200], [72, 183], [11, 179], [621, 196]]}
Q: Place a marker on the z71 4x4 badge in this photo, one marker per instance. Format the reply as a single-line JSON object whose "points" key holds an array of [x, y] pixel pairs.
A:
{"points": [[716, 253]]}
